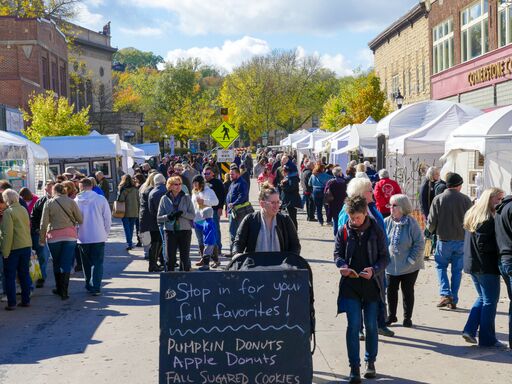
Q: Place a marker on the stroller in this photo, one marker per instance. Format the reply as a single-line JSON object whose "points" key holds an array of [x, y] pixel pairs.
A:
{"points": [[276, 261]]}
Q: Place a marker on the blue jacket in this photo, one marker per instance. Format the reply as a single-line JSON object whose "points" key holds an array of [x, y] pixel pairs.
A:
{"points": [[408, 255], [319, 182], [374, 212], [238, 192]]}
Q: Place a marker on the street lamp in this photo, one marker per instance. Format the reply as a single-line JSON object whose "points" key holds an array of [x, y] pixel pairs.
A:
{"points": [[141, 124], [399, 99]]}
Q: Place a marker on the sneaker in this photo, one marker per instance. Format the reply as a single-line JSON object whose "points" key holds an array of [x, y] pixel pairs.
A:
{"points": [[499, 344], [361, 336], [445, 300], [214, 264], [385, 331], [407, 323], [469, 338], [391, 320], [129, 248], [200, 263], [10, 308], [452, 305], [355, 375], [370, 372]]}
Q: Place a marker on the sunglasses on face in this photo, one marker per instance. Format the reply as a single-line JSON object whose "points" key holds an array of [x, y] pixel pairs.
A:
{"points": [[177, 184]]}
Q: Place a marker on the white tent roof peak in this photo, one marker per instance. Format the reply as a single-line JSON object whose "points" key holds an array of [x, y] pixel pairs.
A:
{"points": [[75, 147]]}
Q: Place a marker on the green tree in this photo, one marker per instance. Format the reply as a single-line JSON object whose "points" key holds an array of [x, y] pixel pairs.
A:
{"points": [[51, 116], [278, 91], [59, 9], [133, 59], [360, 96]]}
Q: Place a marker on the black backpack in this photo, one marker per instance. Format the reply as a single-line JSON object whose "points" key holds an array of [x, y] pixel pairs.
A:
{"points": [[272, 261]]}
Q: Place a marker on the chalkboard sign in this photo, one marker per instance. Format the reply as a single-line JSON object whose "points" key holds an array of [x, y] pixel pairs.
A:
{"points": [[235, 327]]}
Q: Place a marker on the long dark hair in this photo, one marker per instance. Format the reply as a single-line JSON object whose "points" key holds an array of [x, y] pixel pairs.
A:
{"points": [[126, 182]]}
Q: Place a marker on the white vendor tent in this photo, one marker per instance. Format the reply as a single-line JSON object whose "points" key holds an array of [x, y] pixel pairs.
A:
{"points": [[489, 135], [76, 147], [362, 138], [150, 149], [36, 158], [293, 137], [325, 143]]}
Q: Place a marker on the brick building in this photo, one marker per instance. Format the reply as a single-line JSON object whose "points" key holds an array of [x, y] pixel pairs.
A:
{"points": [[401, 57], [33, 58], [471, 43]]}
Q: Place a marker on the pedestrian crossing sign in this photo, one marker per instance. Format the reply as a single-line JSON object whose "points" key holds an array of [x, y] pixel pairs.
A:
{"points": [[225, 135]]}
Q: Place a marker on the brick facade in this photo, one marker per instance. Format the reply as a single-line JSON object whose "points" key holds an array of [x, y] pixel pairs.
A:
{"points": [[402, 57], [33, 57]]}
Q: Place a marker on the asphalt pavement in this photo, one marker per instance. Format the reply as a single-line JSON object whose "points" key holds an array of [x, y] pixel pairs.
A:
{"points": [[113, 338]]}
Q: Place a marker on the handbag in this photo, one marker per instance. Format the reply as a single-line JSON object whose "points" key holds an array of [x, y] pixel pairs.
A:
{"points": [[328, 196], [35, 268], [118, 209]]}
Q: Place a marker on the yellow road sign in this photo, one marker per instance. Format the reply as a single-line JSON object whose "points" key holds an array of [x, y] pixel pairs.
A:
{"points": [[225, 135]]}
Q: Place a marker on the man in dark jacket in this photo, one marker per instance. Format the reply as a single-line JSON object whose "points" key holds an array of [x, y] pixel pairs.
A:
{"points": [[238, 193], [43, 253], [503, 227], [157, 231], [217, 187], [446, 218], [308, 191]]}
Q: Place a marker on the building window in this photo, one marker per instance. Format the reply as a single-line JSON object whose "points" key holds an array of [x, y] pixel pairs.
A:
{"points": [[55, 78], [442, 49], [409, 82], [395, 84], [63, 81], [474, 30], [46, 73], [424, 76], [417, 79], [504, 23]]}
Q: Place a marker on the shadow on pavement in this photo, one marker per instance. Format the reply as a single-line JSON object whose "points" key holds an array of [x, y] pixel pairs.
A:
{"points": [[329, 378]]}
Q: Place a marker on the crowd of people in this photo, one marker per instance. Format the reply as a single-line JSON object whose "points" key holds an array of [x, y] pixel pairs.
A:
{"points": [[380, 247]]}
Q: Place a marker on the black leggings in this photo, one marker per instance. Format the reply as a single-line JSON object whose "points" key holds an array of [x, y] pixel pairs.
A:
{"points": [[178, 240], [292, 212], [407, 281]]}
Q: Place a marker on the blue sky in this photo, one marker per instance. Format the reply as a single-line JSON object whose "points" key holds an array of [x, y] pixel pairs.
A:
{"points": [[225, 33]]}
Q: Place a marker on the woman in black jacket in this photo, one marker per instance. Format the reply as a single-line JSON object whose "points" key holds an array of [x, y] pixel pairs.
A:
{"points": [[361, 255], [481, 260], [290, 193], [267, 230], [427, 189]]}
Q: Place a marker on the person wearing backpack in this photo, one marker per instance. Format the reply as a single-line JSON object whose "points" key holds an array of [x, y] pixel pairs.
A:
{"points": [[361, 255]]}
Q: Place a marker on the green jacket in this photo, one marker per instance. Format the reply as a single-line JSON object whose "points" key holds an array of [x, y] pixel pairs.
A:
{"points": [[130, 196], [15, 229]]}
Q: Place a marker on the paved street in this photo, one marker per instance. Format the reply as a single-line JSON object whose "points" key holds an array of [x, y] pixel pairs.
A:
{"points": [[114, 338]]}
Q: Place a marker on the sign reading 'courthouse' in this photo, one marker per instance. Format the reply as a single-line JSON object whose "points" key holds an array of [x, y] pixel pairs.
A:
{"points": [[491, 72]]}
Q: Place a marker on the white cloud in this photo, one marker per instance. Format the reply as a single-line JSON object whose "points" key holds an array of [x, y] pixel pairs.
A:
{"points": [[365, 57], [196, 17], [337, 63], [230, 55], [94, 3], [88, 19], [143, 31]]}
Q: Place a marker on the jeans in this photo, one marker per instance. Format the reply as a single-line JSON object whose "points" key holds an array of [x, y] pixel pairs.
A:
{"points": [[43, 253], [178, 240], [92, 263], [353, 309], [216, 219], [483, 312], [18, 261], [407, 282], [128, 224], [318, 197], [233, 227], [199, 234], [449, 252], [310, 206], [506, 273], [63, 253]]}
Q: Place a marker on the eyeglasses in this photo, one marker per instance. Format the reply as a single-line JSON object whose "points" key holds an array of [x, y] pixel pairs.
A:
{"points": [[394, 205], [176, 184]]}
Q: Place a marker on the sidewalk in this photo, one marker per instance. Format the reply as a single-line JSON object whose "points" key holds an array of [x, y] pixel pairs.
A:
{"points": [[114, 338]]}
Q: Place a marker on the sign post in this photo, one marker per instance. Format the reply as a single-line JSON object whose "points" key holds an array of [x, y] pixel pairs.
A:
{"points": [[235, 327]]}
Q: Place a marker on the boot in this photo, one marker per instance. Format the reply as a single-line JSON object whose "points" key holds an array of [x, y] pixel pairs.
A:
{"points": [[201, 250], [58, 283], [65, 284], [355, 375]]}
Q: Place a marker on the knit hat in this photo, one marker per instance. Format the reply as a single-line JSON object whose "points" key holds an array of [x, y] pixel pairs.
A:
{"points": [[453, 180]]}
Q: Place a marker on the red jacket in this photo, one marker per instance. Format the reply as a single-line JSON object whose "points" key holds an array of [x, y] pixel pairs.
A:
{"points": [[384, 189]]}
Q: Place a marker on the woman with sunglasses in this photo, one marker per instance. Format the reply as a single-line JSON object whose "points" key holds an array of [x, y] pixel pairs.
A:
{"points": [[406, 246], [176, 212]]}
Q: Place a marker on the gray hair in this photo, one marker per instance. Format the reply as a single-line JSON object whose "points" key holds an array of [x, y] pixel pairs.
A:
{"points": [[159, 179], [337, 171], [431, 171], [403, 203], [358, 187], [10, 196], [383, 173]]}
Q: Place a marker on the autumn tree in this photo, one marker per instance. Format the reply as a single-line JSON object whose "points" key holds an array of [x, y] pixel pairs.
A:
{"points": [[360, 96], [134, 59], [48, 115], [58, 9]]}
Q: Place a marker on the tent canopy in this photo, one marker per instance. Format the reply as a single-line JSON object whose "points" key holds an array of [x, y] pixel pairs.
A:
{"points": [[293, 137], [417, 115], [362, 138], [472, 135], [38, 153], [322, 144], [431, 137], [76, 147], [150, 149]]}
